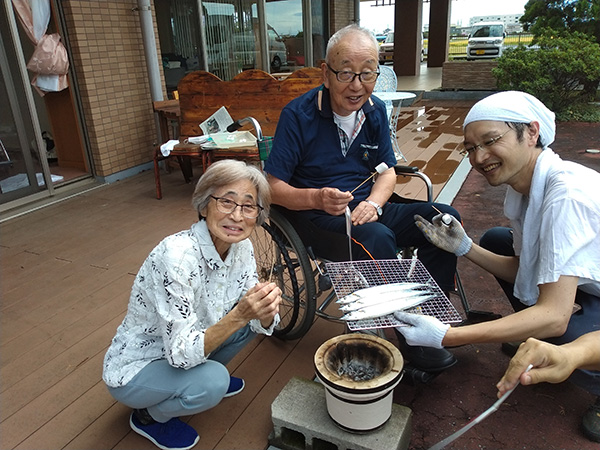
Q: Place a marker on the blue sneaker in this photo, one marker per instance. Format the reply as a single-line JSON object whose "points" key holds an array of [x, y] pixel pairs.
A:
{"points": [[171, 435], [236, 385]]}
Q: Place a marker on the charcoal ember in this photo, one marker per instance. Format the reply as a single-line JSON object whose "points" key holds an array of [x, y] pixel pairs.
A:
{"points": [[358, 371]]}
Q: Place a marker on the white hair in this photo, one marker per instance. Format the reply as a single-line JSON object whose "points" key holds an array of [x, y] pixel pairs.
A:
{"points": [[347, 30]]}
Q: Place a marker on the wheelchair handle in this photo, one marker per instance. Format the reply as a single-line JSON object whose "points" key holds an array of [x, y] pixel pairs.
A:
{"points": [[413, 171], [402, 169], [241, 122]]}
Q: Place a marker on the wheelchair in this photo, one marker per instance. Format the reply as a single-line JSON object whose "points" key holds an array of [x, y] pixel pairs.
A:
{"points": [[288, 249]]}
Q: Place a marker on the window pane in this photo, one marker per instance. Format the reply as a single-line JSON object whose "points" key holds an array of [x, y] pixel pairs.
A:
{"points": [[284, 19]]}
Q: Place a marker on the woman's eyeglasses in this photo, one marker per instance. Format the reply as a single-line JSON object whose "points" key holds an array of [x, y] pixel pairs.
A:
{"points": [[468, 151], [226, 206], [346, 76]]}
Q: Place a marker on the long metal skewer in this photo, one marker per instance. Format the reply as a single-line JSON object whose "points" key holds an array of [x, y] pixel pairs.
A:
{"points": [[440, 445]]}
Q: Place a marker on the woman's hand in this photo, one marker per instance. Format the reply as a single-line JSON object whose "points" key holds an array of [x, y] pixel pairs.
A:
{"points": [[260, 302]]}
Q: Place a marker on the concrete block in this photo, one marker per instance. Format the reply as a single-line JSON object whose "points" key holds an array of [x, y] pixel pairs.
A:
{"points": [[301, 422]]}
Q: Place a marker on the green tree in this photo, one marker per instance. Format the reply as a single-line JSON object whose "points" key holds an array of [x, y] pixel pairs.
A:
{"points": [[556, 72], [563, 15]]}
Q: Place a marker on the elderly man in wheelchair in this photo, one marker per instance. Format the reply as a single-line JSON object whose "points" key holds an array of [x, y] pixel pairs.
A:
{"points": [[327, 143]]}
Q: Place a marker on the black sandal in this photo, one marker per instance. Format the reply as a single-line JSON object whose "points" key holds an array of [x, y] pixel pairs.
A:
{"points": [[591, 422]]}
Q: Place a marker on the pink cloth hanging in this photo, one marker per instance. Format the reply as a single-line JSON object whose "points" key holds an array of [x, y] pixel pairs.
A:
{"points": [[49, 61]]}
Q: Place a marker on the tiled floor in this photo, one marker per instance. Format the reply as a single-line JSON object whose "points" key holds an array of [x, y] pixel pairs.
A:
{"points": [[429, 79]]}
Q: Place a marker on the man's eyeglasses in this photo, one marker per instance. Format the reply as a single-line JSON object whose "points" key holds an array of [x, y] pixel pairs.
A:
{"points": [[226, 206], [346, 76], [468, 151]]}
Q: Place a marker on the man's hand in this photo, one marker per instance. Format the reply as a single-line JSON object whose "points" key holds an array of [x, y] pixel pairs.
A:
{"points": [[450, 237], [421, 330], [551, 363], [333, 201], [364, 213]]}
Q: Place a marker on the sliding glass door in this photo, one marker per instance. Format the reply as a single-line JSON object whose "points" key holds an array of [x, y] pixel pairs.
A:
{"points": [[22, 171]]}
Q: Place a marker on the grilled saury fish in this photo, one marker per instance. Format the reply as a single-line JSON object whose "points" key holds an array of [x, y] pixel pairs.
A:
{"points": [[384, 289], [384, 308]]}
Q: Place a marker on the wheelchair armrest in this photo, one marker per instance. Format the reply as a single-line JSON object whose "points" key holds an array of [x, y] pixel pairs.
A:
{"points": [[403, 170], [413, 171]]}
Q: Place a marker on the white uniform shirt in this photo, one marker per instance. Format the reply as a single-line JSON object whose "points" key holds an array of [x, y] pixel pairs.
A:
{"points": [[556, 228], [182, 288]]}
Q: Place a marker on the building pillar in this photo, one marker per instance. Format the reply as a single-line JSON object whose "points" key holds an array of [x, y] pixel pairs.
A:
{"points": [[341, 13], [439, 32], [408, 25]]}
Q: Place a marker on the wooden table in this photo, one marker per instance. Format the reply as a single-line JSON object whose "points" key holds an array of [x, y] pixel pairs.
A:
{"points": [[168, 116]]}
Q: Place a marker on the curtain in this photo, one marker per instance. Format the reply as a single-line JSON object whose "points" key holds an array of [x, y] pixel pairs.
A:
{"points": [[49, 62]]}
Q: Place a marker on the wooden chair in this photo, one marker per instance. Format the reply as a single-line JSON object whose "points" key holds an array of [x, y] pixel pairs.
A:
{"points": [[252, 93]]}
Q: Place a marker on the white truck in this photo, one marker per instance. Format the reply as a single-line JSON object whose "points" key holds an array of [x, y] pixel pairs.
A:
{"points": [[486, 40]]}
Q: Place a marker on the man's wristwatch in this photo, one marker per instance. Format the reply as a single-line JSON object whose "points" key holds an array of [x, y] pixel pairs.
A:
{"points": [[378, 208]]}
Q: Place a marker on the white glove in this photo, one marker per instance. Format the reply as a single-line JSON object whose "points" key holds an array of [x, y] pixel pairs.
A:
{"points": [[421, 330], [449, 236]]}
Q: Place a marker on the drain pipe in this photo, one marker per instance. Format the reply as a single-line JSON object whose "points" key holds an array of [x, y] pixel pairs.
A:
{"points": [[149, 40]]}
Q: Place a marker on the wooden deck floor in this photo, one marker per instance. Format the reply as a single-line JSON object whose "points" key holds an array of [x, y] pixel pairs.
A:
{"points": [[67, 270]]}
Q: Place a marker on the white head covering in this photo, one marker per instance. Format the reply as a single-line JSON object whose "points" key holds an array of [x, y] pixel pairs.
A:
{"points": [[515, 106]]}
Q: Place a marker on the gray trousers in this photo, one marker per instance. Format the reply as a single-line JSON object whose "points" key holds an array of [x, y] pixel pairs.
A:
{"points": [[167, 392]]}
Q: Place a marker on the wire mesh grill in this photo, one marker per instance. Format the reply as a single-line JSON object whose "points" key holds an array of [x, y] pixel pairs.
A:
{"points": [[350, 276]]}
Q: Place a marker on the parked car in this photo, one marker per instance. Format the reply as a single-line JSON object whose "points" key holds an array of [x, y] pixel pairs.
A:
{"points": [[386, 49], [245, 49], [486, 40]]}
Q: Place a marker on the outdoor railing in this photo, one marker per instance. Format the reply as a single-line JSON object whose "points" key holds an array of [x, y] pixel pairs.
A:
{"points": [[458, 44]]}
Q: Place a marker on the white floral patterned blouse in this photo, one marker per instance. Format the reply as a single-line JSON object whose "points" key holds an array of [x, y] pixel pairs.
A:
{"points": [[182, 288]]}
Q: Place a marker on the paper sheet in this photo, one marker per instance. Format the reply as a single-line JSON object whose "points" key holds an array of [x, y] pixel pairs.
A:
{"points": [[217, 123]]}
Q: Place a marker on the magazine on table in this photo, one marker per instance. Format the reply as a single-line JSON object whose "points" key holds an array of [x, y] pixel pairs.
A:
{"points": [[217, 123]]}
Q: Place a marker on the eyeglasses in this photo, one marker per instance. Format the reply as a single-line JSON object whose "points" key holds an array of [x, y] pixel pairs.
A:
{"points": [[346, 76], [226, 206], [468, 151]]}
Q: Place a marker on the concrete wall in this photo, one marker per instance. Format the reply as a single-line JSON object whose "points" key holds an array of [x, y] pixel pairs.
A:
{"points": [[469, 75]]}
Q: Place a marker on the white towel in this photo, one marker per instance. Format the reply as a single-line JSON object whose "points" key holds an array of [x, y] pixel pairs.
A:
{"points": [[515, 106], [166, 148]]}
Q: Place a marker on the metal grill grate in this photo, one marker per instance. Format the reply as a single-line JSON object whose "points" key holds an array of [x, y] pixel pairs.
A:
{"points": [[350, 276]]}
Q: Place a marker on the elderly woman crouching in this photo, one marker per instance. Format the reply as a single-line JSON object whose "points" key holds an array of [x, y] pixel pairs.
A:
{"points": [[195, 303]]}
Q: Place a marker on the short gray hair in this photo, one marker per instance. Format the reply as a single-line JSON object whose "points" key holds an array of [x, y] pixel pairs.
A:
{"points": [[347, 30], [225, 172]]}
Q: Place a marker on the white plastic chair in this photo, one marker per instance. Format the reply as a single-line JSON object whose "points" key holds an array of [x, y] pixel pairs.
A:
{"points": [[388, 82]]}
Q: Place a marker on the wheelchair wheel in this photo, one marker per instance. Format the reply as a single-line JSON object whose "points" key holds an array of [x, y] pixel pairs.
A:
{"points": [[282, 258]]}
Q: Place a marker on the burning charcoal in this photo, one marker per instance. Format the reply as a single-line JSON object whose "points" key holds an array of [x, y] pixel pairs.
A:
{"points": [[358, 371]]}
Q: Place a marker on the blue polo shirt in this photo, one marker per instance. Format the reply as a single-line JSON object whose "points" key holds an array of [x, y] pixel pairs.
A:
{"points": [[306, 151]]}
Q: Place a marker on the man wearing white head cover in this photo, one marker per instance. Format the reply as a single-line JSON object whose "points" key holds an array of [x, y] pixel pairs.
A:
{"points": [[548, 263]]}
